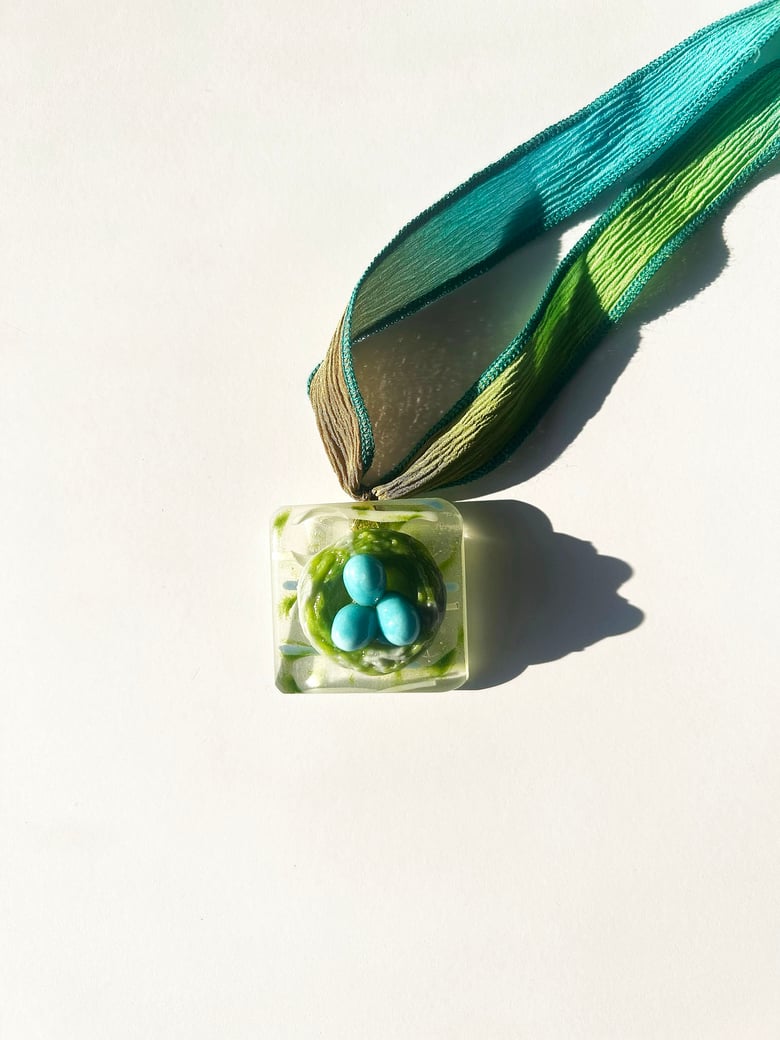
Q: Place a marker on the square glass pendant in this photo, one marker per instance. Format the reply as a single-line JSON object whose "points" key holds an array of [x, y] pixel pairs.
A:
{"points": [[369, 596]]}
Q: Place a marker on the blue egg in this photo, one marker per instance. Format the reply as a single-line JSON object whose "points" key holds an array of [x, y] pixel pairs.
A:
{"points": [[399, 622], [353, 627], [364, 579]]}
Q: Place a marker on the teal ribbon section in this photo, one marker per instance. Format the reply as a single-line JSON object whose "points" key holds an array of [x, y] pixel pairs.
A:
{"points": [[698, 112]]}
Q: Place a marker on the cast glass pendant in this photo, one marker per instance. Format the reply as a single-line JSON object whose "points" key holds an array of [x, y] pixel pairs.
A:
{"points": [[369, 596]]}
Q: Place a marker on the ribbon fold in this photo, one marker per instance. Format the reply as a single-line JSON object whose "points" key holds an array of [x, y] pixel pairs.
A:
{"points": [[693, 126]]}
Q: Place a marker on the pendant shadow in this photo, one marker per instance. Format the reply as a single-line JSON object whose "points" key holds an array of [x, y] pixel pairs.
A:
{"points": [[535, 595]]}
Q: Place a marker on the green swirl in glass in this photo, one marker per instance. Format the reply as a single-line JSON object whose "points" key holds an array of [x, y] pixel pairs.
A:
{"points": [[409, 569]]}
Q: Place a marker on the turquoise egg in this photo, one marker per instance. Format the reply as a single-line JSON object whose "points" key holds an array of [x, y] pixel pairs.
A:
{"points": [[364, 579], [399, 622], [353, 627]]}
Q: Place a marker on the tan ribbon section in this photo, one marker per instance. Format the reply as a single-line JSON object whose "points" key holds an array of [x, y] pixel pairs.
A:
{"points": [[336, 419]]}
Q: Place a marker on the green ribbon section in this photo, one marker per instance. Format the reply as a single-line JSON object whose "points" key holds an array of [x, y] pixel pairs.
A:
{"points": [[707, 142]]}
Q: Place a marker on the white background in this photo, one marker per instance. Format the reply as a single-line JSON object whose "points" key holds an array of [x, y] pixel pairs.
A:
{"points": [[586, 843]]}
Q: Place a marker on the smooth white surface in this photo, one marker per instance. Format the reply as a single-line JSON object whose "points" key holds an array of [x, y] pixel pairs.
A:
{"points": [[589, 849]]}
